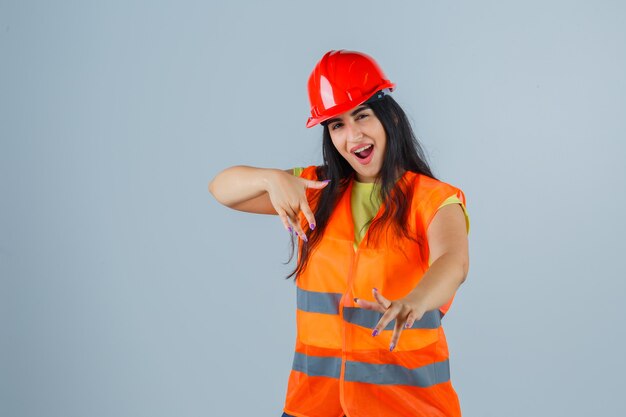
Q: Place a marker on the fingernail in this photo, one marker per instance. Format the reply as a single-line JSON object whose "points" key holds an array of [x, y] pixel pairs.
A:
{"points": [[407, 325], [376, 289], [375, 332], [326, 181], [304, 238], [356, 300], [290, 229], [393, 345], [312, 226]]}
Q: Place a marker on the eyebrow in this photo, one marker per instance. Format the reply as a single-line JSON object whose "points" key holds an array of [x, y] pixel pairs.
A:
{"points": [[354, 113]]}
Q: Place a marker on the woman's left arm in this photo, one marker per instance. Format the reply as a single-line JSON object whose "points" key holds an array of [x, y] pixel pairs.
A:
{"points": [[448, 247]]}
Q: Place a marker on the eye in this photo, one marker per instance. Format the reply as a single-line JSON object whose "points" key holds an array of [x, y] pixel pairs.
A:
{"points": [[361, 116], [336, 126]]}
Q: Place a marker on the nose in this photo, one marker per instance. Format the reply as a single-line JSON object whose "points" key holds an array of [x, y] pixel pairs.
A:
{"points": [[354, 132]]}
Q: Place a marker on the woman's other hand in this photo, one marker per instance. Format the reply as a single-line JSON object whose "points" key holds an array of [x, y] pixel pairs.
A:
{"points": [[404, 312]]}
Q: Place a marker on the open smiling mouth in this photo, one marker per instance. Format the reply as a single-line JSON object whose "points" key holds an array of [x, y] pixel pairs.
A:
{"points": [[364, 152]]}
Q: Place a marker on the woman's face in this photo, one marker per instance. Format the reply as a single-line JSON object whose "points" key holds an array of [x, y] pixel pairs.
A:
{"points": [[360, 138]]}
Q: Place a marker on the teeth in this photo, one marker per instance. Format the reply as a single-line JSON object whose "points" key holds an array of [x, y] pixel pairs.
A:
{"points": [[362, 149]]}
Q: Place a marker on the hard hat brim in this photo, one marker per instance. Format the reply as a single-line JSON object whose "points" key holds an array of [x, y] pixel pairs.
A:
{"points": [[342, 108]]}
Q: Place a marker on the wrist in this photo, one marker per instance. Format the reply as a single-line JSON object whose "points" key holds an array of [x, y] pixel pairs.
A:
{"points": [[266, 177]]}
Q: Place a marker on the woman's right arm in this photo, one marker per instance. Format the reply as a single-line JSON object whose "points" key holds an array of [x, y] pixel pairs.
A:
{"points": [[265, 191], [244, 188]]}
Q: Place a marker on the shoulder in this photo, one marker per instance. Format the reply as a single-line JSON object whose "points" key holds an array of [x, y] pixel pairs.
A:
{"points": [[428, 190], [312, 172]]}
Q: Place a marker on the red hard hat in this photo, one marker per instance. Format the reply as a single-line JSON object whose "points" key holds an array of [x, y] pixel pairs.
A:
{"points": [[342, 80]]}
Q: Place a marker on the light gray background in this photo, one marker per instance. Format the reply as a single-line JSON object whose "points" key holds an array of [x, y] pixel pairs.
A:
{"points": [[128, 291]]}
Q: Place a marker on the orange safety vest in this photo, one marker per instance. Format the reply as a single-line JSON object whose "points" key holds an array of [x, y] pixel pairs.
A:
{"points": [[338, 367]]}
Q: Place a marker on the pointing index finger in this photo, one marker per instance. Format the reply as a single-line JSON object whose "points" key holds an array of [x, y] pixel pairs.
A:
{"points": [[315, 184]]}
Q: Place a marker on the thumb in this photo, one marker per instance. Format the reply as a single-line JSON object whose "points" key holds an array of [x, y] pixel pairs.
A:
{"points": [[316, 184]]}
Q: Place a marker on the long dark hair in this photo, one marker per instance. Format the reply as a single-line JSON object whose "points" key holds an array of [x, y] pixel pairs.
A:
{"points": [[403, 152]]}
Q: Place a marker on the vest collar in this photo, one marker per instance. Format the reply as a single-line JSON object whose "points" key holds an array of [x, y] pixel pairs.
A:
{"points": [[344, 226]]}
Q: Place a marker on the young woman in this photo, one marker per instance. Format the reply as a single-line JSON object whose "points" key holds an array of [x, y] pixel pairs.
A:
{"points": [[382, 250]]}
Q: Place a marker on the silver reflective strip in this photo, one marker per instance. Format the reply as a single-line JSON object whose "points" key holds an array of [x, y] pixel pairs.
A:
{"points": [[317, 365], [424, 376], [370, 318], [318, 302]]}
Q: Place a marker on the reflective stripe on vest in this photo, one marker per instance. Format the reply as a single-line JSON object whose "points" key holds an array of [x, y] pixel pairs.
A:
{"points": [[318, 302], [386, 374], [370, 318], [328, 303], [317, 365]]}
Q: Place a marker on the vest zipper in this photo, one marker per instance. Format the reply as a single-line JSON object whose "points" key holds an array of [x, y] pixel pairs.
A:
{"points": [[342, 374], [354, 261]]}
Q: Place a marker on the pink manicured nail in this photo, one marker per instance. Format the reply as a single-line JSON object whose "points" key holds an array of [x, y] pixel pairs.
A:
{"points": [[312, 226], [375, 332], [304, 238], [407, 325], [393, 345]]}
